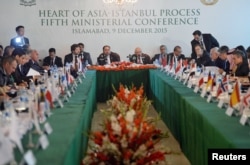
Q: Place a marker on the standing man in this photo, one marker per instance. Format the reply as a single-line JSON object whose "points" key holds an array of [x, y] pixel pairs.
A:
{"points": [[52, 60], [73, 61], [84, 56], [19, 40], [161, 58], [139, 57], [107, 57], [207, 42]]}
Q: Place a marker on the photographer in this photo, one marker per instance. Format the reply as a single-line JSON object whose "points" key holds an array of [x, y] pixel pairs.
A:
{"points": [[19, 40]]}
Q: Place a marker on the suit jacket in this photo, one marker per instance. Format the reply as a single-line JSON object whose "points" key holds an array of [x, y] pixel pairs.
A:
{"points": [[102, 59], [57, 61], [85, 57], [3, 78], [144, 57], [34, 65], [203, 60], [68, 59], [158, 56], [16, 45], [171, 55], [242, 70], [209, 42], [19, 76]]}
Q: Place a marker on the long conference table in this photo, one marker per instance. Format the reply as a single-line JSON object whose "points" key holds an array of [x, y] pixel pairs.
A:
{"points": [[196, 124], [71, 124]]}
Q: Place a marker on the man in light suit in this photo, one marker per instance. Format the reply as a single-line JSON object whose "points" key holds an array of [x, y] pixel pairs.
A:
{"points": [[140, 58], [107, 57], [19, 40], [33, 63], [84, 56], [160, 58], [207, 42]]}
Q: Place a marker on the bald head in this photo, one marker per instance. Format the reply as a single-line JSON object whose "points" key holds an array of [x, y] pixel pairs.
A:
{"points": [[214, 53], [138, 51], [34, 55]]}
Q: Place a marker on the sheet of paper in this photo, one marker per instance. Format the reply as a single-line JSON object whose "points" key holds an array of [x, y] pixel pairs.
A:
{"points": [[33, 72]]}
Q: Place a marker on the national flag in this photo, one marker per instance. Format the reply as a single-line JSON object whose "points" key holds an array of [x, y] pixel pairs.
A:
{"points": [[185, 63], [177, 69], [71, 79], [49, 97], [201, 81], [171, 64], [235, 96], [209, 81], [223, 87], [164, 62], [64, 80], [246, 99], [193, 67], [179, 66]]}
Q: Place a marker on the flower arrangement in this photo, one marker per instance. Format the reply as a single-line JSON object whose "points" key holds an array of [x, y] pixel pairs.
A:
{"points": [[118, 66], [128, 137]]}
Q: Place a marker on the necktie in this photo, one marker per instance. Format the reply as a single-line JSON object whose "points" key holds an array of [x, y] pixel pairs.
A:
{"points": [[51, 62], [23, 41], [138, 59], [202, 45], [76, 63], [108, 59], [21, 69]]}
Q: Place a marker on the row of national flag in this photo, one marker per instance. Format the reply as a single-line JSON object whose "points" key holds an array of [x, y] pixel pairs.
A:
{"points": [[222, 87]]}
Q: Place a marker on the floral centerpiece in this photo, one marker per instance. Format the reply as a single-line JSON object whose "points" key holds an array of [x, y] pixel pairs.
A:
{"points": [[123, 65], [128, 137]]}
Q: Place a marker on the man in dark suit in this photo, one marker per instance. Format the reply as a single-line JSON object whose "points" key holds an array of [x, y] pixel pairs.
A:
{"points": [[176, 56], [19, 40], [160, 58], [33, 63], [215, 60], [52, 60], [223, 50], [241, 68], [19, 76], [202, 58], [107, 57], [72, 60], [7, 67], [140, 58], [207, 42], [84, 56]]}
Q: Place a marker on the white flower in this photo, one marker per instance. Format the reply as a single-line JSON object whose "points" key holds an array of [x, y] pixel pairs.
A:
{"points": [[141, 151], [115, 125], [132, 102], [124, 142], [130, 116], [126, 92]]}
